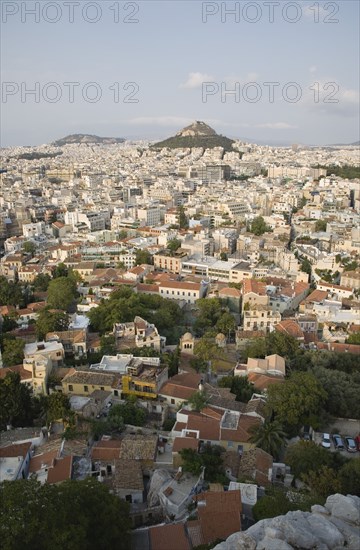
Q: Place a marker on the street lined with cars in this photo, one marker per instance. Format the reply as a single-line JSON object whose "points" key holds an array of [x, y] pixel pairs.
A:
{"points": [[336, 442]]}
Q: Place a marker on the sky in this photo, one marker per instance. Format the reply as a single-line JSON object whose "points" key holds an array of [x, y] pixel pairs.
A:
{"points": [[275, 72]]}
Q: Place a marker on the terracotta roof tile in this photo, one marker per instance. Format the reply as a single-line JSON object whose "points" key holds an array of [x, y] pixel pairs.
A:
{"points": [[169, 537]]}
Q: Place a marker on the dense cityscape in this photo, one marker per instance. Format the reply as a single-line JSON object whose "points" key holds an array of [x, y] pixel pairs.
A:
{"points": [[176, 322], [179, 275]]}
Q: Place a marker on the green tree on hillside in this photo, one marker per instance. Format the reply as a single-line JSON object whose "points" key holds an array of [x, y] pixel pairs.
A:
{"points": [[297, 401], [15, 402], [61, 293], [13, 351], [258, 226], [67, 516]]}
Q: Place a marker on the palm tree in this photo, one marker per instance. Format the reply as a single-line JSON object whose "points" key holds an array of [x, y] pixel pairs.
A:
{"points": [[269, 437]]}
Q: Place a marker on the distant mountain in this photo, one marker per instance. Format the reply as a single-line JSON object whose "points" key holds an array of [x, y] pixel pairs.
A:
{"points": [[198, 134], [355, 144], [86, 138]]}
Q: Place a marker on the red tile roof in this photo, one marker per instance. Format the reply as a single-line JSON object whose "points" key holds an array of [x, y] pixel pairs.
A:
{"points": [[169, 537]]}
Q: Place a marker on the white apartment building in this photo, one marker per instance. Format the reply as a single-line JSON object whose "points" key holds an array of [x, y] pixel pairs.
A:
{"points": [[31, 230], [149, 216]]}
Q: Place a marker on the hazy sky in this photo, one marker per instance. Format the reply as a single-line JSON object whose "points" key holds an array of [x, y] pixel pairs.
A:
{"points": [[182, 58]]}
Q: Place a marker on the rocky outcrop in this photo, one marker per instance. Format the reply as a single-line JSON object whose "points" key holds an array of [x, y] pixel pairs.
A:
{"points": [[331, 527]]}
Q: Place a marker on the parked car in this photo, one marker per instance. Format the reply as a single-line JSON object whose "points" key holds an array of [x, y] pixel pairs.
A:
{"points": [[338, 442], [350, 444], [325, 442], [357, 441]]}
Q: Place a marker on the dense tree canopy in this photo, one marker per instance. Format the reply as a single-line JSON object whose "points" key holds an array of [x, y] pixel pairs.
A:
{"points": [[10, 293], [198, 401], [123, 305], [209, 313], [297, 401], [41, 282], [16, 405], [50, 321], [61, 293], [76, 515], [275, 342], [130, 412], [239, 385], [258, 226], [57, 407], [269, 436], [143, 257], [276, 502], [12, 351], [210, 457]]}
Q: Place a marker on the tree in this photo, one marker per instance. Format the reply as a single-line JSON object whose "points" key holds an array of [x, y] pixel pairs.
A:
{"points": [[41, 282], [173, 245], [349, 476], [258, 226], [57, 407], [320, 225], [61, 293], [209, 312], [305, 266], [108, 344], [223, 256], [324, 482], [210, 458], [342, 391], [297, 400], [206, 348], [276, 503], [172, 360], [305, 456], [143, 257], [274, 343], [131, 413], [183, 221], [8, 323], [60, 271], [354, 339], [269, 436], [29, 247], [239, 385], [226, 324], [13, 351], [67, 516], [15, 401], [51, 321], [10, 293], [197, 401]]}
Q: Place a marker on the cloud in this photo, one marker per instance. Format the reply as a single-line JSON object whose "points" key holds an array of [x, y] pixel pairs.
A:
{"points": [[313, 68], [196, 80], [275, 126], [329, 97]]}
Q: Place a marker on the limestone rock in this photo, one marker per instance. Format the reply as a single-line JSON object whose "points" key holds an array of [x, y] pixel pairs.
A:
{"points": [[344, 507], [333, 527]]}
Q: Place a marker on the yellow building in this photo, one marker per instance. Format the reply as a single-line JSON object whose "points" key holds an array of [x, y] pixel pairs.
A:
{"points": [[85, 382]]}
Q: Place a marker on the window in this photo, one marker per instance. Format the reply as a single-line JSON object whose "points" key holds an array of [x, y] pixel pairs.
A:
{"points": [[173, 401], [86, 389], [102, 388], [71, 387]]}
